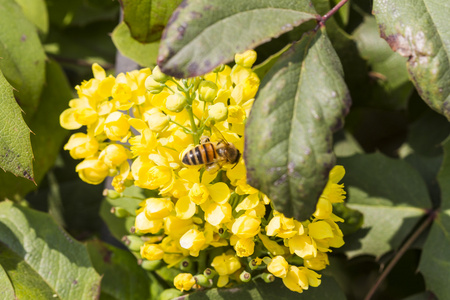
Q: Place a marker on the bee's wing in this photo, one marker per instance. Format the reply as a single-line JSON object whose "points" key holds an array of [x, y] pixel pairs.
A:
{"points": [[219, 133]]}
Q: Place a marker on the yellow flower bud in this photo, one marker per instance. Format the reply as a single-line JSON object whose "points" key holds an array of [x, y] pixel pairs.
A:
{"points": [[244, 247], [278, 266], [152, 251], [296, 280], [153, 86], [113, 155], [157, 208], [218, 112], [157, 121], [207, 91], [159, 76], [193, 240], [81, 146], [246, 59], [116, 126], [184, 281], [246, 226], [176, 102], [92, 171]]}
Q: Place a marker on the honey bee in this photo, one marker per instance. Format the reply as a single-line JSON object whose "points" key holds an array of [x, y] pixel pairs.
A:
{"points": [[212, 154]]}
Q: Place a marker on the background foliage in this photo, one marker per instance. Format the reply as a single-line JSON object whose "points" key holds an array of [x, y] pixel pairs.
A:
{"points": [[392, 140]]}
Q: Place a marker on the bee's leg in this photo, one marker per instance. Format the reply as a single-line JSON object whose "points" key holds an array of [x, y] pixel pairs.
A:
{"points": [[212, 168], [204, 139]]}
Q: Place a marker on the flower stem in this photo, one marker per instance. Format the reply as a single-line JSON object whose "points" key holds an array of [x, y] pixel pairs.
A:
{"points": [[193, 125], [322, 19], [399, 254]]}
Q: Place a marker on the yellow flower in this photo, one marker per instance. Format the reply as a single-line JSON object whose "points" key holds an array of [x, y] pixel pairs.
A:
{"points": [[117, 127], [244, 247], [144, 225], [92, 170], [246, 226], [193, 240], [216, 213], [303, 246], [317, 263], [278, 266], [81, 146], [184, 281], [173, 253], [152, 251], [272, 246], [113, 155], [156, 119], [296, 280], [185, 208], [326, 234], [158, 208], [176, 227], [281, 226], [225, 265], [199, 193], [176, 102], [335, 192]]}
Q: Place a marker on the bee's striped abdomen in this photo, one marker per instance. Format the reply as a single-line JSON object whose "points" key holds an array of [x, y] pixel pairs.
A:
{"points": [[201, 154]]}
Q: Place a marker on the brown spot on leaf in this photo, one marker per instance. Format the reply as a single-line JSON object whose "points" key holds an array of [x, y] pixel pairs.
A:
{"points": [[23, 38]]}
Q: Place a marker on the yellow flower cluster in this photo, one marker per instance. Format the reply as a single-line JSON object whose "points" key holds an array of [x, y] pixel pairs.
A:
{"points": [[140, 128]]}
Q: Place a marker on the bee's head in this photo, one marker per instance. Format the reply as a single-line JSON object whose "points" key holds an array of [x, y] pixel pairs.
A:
{"points": [[238, 156]]}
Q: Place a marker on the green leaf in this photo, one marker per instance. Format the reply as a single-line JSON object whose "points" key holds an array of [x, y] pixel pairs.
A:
{"points": [[122, 277], [435, 259], [40, 251], [289, 133], [6, 287], [23, 58], [48, 134], [203, 34], [421, 33], [426, 134], [147, 18], [388, 68], [258, 290], [444, 177], [36, 12], [143, 54], [392, 196], [15, 146]]}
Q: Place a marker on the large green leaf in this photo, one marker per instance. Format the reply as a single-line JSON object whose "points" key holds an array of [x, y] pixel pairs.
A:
{"points": [[36, 12], [147, 18], [6, 287], [41, 259], [420, 31], [435, 259], [259, 290], [289, 133], [143, 54], [23, 58], [392, 196], [15, 146], [203, 34], [48, 134], [122, 277], [388, 68]]}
